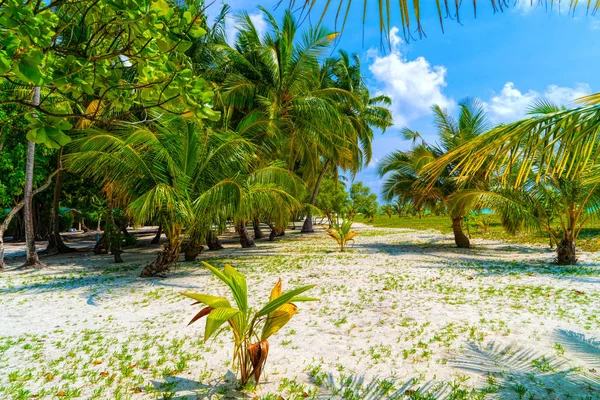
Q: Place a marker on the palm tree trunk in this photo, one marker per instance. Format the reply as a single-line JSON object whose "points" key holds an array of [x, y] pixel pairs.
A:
{"points": [[307, 227], [32, 260], [55, 242], [566, 251], [213, 242], [156, 239], [258, 234], [192, 250], [165, 260], [245, 239], [460, 239]]}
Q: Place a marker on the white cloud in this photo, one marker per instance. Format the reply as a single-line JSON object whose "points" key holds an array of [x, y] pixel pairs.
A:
{"points": [[413, 85], [231, 27], [511, 104]]}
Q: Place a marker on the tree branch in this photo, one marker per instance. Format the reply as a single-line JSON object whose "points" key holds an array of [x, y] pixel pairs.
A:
{"points": [[20, 204]]}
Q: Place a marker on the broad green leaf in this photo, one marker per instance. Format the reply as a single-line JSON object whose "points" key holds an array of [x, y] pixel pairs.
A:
{"points": [[216, 318], [4, 63], [277, 320], [212, 301], [217, 273], [161, 6], [30, 67], [37, 135], [56, 138], [238, 287], [281, 300], [197, 31]]}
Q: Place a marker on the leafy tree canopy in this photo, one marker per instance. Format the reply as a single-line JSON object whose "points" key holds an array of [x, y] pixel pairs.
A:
{"points": [[95, 60]]}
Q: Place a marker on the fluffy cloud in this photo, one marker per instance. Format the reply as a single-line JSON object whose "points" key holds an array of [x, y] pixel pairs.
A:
{"points": [[413, 85], [511, 104]]}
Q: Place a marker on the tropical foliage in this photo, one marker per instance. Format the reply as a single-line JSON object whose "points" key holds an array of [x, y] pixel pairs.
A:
{"points": [[411, 12], [542, 172], [341, 232], [251, 328], [403, 170]]}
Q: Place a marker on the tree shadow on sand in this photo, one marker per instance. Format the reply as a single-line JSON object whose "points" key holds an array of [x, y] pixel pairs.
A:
{"points": [[485, 261], [517, 371], [357, 387], [179, 388]]}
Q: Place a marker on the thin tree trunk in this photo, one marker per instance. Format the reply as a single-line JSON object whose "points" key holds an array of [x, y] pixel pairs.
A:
{"points": [[460, 239], [101, 246], [245, 239], [213, 242], [566, 251], [4, 225], [258, 234], [2, 264], [55, 242], [307, 227], [156, 239], [32, 260]]}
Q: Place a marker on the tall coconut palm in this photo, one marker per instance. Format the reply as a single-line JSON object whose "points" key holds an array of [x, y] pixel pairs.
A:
{"points": [[360, 118], [404, 169], [277, 94], [545, 172]]}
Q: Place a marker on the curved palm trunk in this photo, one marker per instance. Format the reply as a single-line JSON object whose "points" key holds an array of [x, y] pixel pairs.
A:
{"points": [[55, 241], [461, 240], [166, 259], [156, 239], [307, 227], [245, 239], [258, 234], [193, 248], [101, 246], [213, 242]]}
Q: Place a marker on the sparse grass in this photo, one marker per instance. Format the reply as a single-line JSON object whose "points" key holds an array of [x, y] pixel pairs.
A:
{"points": [[589, 238], [401, 316]]}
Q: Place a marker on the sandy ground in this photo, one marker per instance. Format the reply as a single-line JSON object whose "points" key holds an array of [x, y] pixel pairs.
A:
{"points": [[402, 314]]}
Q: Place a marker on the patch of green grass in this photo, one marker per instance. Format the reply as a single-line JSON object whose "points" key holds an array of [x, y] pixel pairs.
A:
{"points": [[588, 238]]}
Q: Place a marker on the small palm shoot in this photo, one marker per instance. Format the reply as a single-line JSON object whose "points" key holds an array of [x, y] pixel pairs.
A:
{"points": [[342, 232], [251, 347]]}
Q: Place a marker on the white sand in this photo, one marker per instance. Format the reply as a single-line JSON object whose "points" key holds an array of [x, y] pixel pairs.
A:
{"points": [[401, 311]]}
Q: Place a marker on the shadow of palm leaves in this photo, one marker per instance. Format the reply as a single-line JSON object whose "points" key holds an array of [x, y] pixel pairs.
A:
{"points": [[584, 350], [516, 368], [355, 387]]}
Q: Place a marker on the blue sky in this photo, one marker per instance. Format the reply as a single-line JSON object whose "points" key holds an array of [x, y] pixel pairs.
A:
{"points": [[506, 60]]}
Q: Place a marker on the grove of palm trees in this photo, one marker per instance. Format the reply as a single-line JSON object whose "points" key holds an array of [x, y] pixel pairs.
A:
{"points": [[288, 200]]}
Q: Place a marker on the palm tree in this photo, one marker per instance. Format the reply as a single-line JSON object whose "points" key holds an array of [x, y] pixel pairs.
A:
{"points": [[544, 171], [404, 169], [278, 94], [360, 118], [271, 192], [158, 170]]}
